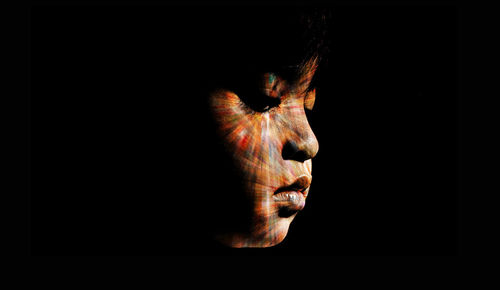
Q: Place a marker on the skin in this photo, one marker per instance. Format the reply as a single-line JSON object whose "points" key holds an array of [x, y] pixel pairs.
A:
{"points": [[259, 143]]}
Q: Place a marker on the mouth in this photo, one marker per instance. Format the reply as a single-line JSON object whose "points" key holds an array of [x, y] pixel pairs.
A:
{"points": [[292, 198]]}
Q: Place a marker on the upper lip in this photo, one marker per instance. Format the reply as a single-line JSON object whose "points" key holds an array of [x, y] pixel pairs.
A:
{"points": [[301, 184]]}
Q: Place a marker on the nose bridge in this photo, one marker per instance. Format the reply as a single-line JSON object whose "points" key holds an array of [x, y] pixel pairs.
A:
{"points": [[300, 142]]}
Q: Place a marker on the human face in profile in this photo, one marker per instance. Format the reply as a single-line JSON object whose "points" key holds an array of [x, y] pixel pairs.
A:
{"points": [[271, 144]]}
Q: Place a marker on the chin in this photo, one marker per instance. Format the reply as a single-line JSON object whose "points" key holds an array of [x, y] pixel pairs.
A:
{"points": [[271, 234]]}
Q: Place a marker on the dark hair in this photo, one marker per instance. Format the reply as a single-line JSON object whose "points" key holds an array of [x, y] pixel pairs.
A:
{"points": [[232, 45]]}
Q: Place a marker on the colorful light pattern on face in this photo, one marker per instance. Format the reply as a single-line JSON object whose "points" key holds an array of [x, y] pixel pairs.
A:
{"points": [[258, 143]]}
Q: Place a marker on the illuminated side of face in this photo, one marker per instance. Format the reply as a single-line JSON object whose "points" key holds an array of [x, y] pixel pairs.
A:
{"points": [[271, 145]]}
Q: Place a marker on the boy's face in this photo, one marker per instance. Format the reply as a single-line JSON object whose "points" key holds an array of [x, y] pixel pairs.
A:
{"points": [[271, 145]]}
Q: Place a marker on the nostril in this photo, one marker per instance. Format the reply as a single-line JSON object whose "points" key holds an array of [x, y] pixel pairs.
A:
{"points": [[292, 152]]}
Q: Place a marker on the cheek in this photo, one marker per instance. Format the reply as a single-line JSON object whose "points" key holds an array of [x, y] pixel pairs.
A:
{"points": [[255, 141], [227, 111], [240, 130]]}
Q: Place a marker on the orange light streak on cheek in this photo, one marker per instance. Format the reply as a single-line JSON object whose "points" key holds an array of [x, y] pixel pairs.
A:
{"points": [[243, 143]]}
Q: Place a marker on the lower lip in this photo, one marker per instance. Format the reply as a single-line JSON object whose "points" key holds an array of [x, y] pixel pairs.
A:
{"points": [[293, 200]]}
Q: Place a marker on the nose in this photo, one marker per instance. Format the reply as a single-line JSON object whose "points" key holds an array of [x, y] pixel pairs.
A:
{"points": [[301, 145]]}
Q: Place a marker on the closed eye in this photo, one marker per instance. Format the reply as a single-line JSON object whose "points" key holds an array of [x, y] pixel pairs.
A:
{"points": [[262, 103]]}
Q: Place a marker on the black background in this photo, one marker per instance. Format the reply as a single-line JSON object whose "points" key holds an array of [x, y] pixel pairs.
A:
{"points": [[112, 116]]}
